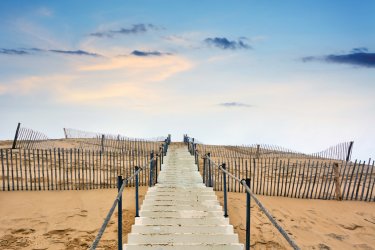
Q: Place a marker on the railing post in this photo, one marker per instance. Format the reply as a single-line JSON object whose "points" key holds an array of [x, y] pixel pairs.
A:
{"points": [[119, 217], [151, 165], [195, 154], [156, 168], [161, 155], [247, 216], [225, 191], [204, 170], [166, 145], [16, 136], [197, 159], [209, 170], [136, 193]]}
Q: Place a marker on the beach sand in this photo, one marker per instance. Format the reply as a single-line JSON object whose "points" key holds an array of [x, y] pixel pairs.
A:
{"points": [[62, 219], [71, 219], [313, 224]]}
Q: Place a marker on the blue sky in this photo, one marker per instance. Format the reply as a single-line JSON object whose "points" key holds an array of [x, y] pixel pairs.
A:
{"points": [[299, 74]]}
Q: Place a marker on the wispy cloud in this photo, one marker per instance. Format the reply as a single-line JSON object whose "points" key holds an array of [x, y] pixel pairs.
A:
{"points": [[148, 69], [235, 104], [29, 51], [13, 52], [224, 43], [75, 52], [135, 29], [357, 57], [148, 53]]}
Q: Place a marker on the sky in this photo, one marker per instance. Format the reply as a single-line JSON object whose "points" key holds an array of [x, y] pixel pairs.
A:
{"points": [[299, 74]]}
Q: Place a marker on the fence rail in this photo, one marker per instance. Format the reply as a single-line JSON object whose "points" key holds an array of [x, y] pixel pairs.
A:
{"points": [[68, 169]]}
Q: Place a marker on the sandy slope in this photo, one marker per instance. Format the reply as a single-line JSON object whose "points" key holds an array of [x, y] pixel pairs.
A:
{"points": [[70, 220], [313, 224], [61, 219]]}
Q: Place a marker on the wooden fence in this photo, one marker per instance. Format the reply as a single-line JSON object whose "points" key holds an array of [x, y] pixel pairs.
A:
{"points": [[105, 142], [312, 179], [30, 139], [68, 169], [341, 151]]}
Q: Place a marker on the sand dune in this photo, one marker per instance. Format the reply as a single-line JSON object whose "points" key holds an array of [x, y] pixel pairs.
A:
{"points": [[313, 224], [61, 219], [71, 219]]}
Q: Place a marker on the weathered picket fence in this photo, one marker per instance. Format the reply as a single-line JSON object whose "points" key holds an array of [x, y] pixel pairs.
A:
{"points": [[289, 177], [105, 142], [69, 169], [341, 151]]}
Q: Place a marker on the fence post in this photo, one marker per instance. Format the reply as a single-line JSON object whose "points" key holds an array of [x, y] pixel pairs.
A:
{"points": [[209, 170], [119, 217], [258, 151], [348, 155], [151, 165], [247, 216], [136, 192], [225, 191], [102, 143], [65, 133], [165, 148], [337, 181], [16, 136]]}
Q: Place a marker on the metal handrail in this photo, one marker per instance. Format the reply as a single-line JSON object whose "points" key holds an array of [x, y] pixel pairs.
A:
{"points": [[260, 205], [111, 210], [249, 194], [121, 186]]}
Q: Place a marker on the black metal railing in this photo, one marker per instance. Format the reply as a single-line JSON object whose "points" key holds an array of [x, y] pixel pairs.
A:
{"points": [[249, 194], [121, 184]]}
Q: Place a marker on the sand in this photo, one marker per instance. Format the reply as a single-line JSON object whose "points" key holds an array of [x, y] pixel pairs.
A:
{"points": [[71, 219], [313, 224], [62, 219]]}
